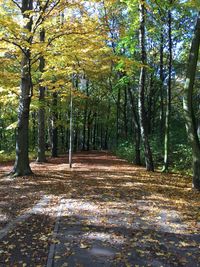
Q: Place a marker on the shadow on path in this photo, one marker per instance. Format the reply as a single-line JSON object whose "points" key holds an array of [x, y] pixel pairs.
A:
{"points": [[111, 214]]}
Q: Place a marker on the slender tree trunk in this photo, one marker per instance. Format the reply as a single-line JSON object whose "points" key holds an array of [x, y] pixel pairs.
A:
{"points": [[161, 85], [88, 137], [150, 106], [118, 116], [168, 107], [137, 160], [106, 139], [62, 132], [54, 149], [41, 112], [74, 130], [67, 139], [101, 138], [94, 131], [98, 132], [137, 139], [50, 131], [125, 114], [107, 129], [191, 126], [21, 166], [88, 130], [34, 128], [141, 102], [71, 129], [85, 116], [84, 128], [75, 139]]}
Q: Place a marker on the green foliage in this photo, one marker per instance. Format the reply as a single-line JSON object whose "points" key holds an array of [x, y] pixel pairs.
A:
{"points": [[101, 50], [180, 154], [4, 156], [125, 150], [182, 159]]}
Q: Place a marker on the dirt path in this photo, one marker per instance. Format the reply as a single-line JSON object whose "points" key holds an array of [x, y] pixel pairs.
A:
{"points": [[103, 212]]}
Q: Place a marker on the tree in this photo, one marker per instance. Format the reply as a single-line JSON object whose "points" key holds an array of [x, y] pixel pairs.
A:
{"points": [[41, 111], [169, 85], [141, 100], [21, 166], [21, 33], [190, 120]]}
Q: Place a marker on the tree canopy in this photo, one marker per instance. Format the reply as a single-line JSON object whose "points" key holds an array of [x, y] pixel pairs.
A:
{"points": [[125, 64]]}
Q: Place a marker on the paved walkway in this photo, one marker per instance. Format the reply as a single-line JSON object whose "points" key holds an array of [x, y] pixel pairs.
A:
{"points": [[82, 239], [105, 212]]}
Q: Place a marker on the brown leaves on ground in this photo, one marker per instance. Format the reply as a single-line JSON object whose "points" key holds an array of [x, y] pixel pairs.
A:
{"points": [[110, 193]]}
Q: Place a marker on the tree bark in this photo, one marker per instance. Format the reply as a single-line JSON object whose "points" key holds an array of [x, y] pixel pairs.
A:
{"points": [[107, 128], [21, 166], [34, 131], [89, 124], [190, 121], [150, 114], [54, 149], [101, 137], [84, 128], [137, 159], [125, 114], [168, 107], [85, 116], [41, 112], [161, 85], [118, 116], [94, 131], [141, 102]]}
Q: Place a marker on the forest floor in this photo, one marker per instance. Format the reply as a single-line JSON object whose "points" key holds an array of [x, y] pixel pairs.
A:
{"points": [[102, 212]]}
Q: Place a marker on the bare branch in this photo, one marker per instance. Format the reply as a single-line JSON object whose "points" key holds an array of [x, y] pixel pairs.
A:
{"points": [[16, 4], [66, 33], [43, 16], [13, 43]]}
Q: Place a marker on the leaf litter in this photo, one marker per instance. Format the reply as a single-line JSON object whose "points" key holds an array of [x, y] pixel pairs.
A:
{"points": [[146, 219]]}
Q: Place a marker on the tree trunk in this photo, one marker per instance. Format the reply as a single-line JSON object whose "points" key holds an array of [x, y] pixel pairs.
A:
{"points": [[62, 131], [94, 131], [71, 129], [84, 128], [21, 166], [54, 150], [88, 130], [107, 127], [85, 117], [41, 112], [168, 107], [101, 138], [191, 126], [137, 159], [67, 139], [75, 146], [150, 106], [34, 130], [141, 102], [118, 115], [125, 114], [161, 85]]}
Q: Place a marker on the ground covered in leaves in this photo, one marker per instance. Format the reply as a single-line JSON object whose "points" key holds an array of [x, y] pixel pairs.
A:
{"points": [[103, 212]]}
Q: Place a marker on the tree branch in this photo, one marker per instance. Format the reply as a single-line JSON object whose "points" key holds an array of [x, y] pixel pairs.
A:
{"points": [[16, 4]]}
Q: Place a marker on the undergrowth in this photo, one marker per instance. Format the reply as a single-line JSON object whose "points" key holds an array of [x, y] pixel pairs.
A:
{"points": [[180, 156]]}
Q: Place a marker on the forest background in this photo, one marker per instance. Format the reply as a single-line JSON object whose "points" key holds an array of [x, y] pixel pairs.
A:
{"points": [[128, 67]]}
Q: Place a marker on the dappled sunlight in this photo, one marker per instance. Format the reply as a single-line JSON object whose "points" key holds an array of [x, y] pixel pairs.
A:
{"points": [[118, 213]]}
